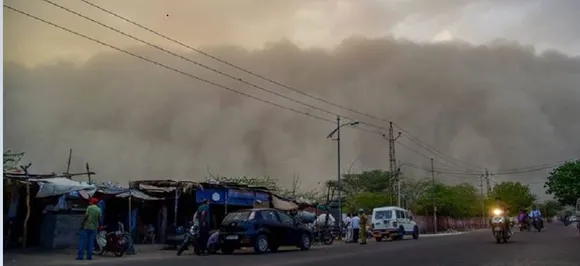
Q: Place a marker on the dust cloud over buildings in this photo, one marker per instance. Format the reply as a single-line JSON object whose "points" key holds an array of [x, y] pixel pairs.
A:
{"points": [[497, 105]]}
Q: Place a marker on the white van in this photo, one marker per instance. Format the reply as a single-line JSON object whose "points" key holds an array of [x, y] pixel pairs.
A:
{"points": [[394, 223]]}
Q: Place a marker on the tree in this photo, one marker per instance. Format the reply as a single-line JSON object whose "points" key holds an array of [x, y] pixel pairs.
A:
{"points": [[367, 189], [516, 195], [368, 201], [459, 201], [368, 181], [412, 190], [550, 208], [464, 201], [11, 160], [564, 183]]}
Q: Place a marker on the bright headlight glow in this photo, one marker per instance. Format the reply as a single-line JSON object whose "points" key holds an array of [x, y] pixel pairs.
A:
{"points": [[497, 212]]}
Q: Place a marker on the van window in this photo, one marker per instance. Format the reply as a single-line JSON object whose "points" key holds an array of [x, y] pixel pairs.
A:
{"points": [[381, 215], [400, 214]]}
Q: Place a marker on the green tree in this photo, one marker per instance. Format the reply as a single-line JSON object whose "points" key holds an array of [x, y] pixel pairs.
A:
{"points": [[564, 183], [368, 201], [412, 190], [11, 160], [372, 186], [367, 181], [464, 201], [550, 208], [516, 195], [459, 201]]}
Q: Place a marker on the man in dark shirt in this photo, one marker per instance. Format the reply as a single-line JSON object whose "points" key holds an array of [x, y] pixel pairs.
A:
{"points": [[203, 217]]}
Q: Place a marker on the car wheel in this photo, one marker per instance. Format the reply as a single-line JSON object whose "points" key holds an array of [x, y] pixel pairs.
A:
{"points": [[227, 250], [416, 232], [305, 242], [261, 244], [401, 233]]}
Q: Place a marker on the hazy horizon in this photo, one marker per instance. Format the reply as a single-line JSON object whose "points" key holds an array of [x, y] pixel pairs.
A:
{"points": [[494, 101]]}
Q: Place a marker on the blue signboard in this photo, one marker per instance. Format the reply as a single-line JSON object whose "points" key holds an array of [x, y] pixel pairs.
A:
{"points": [[262, 196], [241, 197], [215, 196]]}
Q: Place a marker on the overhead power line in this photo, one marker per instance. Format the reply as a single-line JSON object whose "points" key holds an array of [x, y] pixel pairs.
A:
{"points": [[175, 69], [301, 92]]}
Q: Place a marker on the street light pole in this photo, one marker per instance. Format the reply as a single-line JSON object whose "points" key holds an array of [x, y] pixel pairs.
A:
{"points": [[337, 131], [339, 177]]}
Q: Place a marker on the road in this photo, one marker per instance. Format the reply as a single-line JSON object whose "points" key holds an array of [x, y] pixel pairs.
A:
{"points": [[556, 246]]}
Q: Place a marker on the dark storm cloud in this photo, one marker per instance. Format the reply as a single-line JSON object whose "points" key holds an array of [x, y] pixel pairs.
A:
{"points": [[498, 105]]}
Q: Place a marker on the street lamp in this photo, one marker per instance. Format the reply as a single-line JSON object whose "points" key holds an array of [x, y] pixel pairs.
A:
{"points": [[337, 131]]}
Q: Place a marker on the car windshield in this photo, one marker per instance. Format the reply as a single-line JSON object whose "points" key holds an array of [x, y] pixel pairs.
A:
{"points": [[238, 216], [381, 215]]}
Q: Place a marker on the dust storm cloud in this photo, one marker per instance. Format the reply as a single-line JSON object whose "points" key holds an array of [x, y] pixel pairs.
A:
{"points": [[498, 105]]}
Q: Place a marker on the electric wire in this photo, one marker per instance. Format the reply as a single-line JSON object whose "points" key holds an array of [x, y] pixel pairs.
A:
{"points": [[301, 92]]}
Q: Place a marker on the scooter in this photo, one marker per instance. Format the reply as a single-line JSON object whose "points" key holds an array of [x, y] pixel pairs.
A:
{"points": [[499, 226], [191, 237]]}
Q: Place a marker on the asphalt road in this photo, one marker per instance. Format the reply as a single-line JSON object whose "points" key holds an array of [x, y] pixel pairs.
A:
{"points": [[556, 246]]}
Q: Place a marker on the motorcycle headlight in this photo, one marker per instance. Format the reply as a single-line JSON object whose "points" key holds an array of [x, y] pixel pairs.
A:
{"points": [[497, 212]]}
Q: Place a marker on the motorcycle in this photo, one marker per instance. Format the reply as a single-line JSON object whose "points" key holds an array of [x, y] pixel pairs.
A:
{"points": [[111, 242], [190, 238], [499, 226], [323, 235], [538, 224], [524, 225]]}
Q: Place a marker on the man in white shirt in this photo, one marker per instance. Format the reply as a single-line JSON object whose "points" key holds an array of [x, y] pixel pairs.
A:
{"points": [[355, 221], [348, 223]]}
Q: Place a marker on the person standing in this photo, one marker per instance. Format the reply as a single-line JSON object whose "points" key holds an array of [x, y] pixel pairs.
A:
{"points": [[355, 221], [88, 231], [363, 227], [348, 223], [203, 218]]}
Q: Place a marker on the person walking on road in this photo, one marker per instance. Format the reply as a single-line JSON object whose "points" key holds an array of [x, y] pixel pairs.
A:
{"points": [[202, 215], [363, 227], [355, 223], [88, 231], [348, 223]]}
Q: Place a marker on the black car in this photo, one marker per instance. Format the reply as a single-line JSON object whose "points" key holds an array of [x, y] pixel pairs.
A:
{"points": [[263, 229]]}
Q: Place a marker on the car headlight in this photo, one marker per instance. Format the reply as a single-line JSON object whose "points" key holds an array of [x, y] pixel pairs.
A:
{"points": [[497, 212]]}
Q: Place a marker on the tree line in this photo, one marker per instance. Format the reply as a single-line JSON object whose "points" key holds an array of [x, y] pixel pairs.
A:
{"points": [[375, 188]]}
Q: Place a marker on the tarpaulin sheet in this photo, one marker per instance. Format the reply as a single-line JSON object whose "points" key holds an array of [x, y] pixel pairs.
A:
{"points": [[284, 205], [136, 194], [60, 186]]}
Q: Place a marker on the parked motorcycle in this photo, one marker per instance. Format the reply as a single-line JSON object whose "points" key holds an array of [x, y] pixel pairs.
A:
{"points": [[499, 226], [190, 238], [111, 242], [538, 224], [323, 235]]}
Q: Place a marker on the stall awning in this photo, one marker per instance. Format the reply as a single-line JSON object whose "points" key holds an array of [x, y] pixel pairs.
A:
{"points": [[136, 194], [282, 204], [60, 186]]}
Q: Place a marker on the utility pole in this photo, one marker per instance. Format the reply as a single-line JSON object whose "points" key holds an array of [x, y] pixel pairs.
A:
{"points": [[488, 182], [433, 195], [392, 157], [482, 201], [338, 125], [89, 173], [68, 164], [398, 177], [337, 131]]}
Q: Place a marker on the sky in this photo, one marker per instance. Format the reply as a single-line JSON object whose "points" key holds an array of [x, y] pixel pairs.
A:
{"points": [[491, 82]]}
